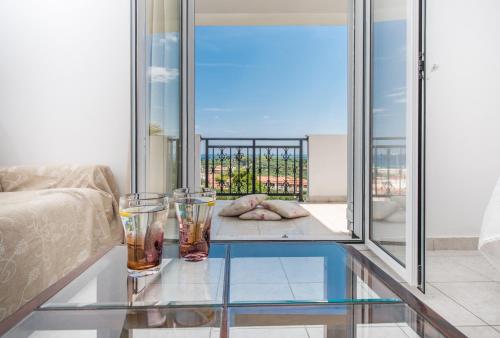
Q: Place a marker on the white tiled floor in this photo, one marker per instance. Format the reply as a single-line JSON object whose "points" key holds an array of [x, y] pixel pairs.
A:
{"points": [[283, 279], [326, 222], [271, 332], [277, 278], [394, 330], [462, 287]]}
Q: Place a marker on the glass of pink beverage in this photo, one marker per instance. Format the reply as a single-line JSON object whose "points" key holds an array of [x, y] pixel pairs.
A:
{"points": [[144, 216], [194, 210]]}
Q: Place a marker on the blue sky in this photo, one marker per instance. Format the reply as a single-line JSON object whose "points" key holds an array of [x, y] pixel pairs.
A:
{"points": [[389, 79], [280, 81]]}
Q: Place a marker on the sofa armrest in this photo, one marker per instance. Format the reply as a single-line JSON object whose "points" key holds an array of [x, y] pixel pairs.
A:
{"points": [[22, 178]]}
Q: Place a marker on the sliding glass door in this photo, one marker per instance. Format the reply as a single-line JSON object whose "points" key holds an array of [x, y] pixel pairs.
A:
{"points": [[394, 140], [384, 43]]}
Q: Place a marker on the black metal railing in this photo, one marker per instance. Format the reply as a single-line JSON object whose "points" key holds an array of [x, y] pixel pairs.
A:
{"points": [[388, 166], [241, 166]]}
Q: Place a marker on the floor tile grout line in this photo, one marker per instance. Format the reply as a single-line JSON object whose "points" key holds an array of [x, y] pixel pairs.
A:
{"points": [[404, 332], [288, 280], [468, 281], [307, 332], [478, 326], [462, 306], [264, 284], [467, 267], [475, 325]]}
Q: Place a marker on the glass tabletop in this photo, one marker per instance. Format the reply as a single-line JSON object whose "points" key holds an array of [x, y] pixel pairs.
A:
{"points": [[258, 273], [301, 273], [241, 290], [106, 284], [389, 320]]}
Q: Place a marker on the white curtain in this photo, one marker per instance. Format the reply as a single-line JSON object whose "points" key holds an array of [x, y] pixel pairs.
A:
{"points": [[489, 239]]}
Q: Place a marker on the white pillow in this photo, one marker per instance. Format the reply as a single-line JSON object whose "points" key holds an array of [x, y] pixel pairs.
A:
{"points": [[383, 209], [242, 205], [261, 214], [286, 209]]}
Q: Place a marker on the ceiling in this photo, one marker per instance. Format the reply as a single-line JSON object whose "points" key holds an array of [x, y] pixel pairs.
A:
{"points": [[270, 12], [389, 10]]}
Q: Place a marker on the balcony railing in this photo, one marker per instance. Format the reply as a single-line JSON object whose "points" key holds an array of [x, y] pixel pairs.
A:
{"points": [[388, 166], [241, 166]]}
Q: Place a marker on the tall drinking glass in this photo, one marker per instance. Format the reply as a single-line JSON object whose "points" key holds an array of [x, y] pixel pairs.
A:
{"points": [[194, 213], [144, 216]]}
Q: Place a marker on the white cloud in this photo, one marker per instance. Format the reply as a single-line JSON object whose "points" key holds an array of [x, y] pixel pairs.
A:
{"points": [[403, 100], [165, 39], [396, 94], [224, 64], [379, 110], [171, 38], [162, 74], [215, 109], [266, 117]]}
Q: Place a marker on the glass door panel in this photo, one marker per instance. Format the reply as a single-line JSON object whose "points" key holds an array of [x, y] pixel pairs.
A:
{"points": [[388, 127], [396, 138], [158, 88]]}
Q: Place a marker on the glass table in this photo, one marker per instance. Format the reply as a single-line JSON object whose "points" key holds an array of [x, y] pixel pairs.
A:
{"points": [[241, 290]]}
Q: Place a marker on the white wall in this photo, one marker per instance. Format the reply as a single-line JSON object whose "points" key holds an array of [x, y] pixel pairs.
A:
{"points": [[463, 112], [327, 155], [65, 83]]}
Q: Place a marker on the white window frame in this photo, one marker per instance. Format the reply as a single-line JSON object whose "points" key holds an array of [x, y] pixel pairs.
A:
{"points": [[409, 272], [188, 93], [357, 115]]}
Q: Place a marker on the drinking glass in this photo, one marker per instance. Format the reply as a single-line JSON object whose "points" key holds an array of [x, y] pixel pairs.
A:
{"points": [[194, 212], [144, 216]]}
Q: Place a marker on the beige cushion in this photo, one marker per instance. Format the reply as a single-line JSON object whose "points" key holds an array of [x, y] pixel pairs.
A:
{"points": [[242, 205], [261, 214], [286, 209]]}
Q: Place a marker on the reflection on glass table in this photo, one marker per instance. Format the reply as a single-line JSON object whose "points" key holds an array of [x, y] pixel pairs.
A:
{"points": [[107, 284], [394, 320], [390, 149], [259, 273], [275, 290], [301, 272], [347, 320], [202, 322]]}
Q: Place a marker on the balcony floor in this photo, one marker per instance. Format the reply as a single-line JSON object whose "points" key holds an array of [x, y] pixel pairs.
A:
{"points": [[326, 222]]}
